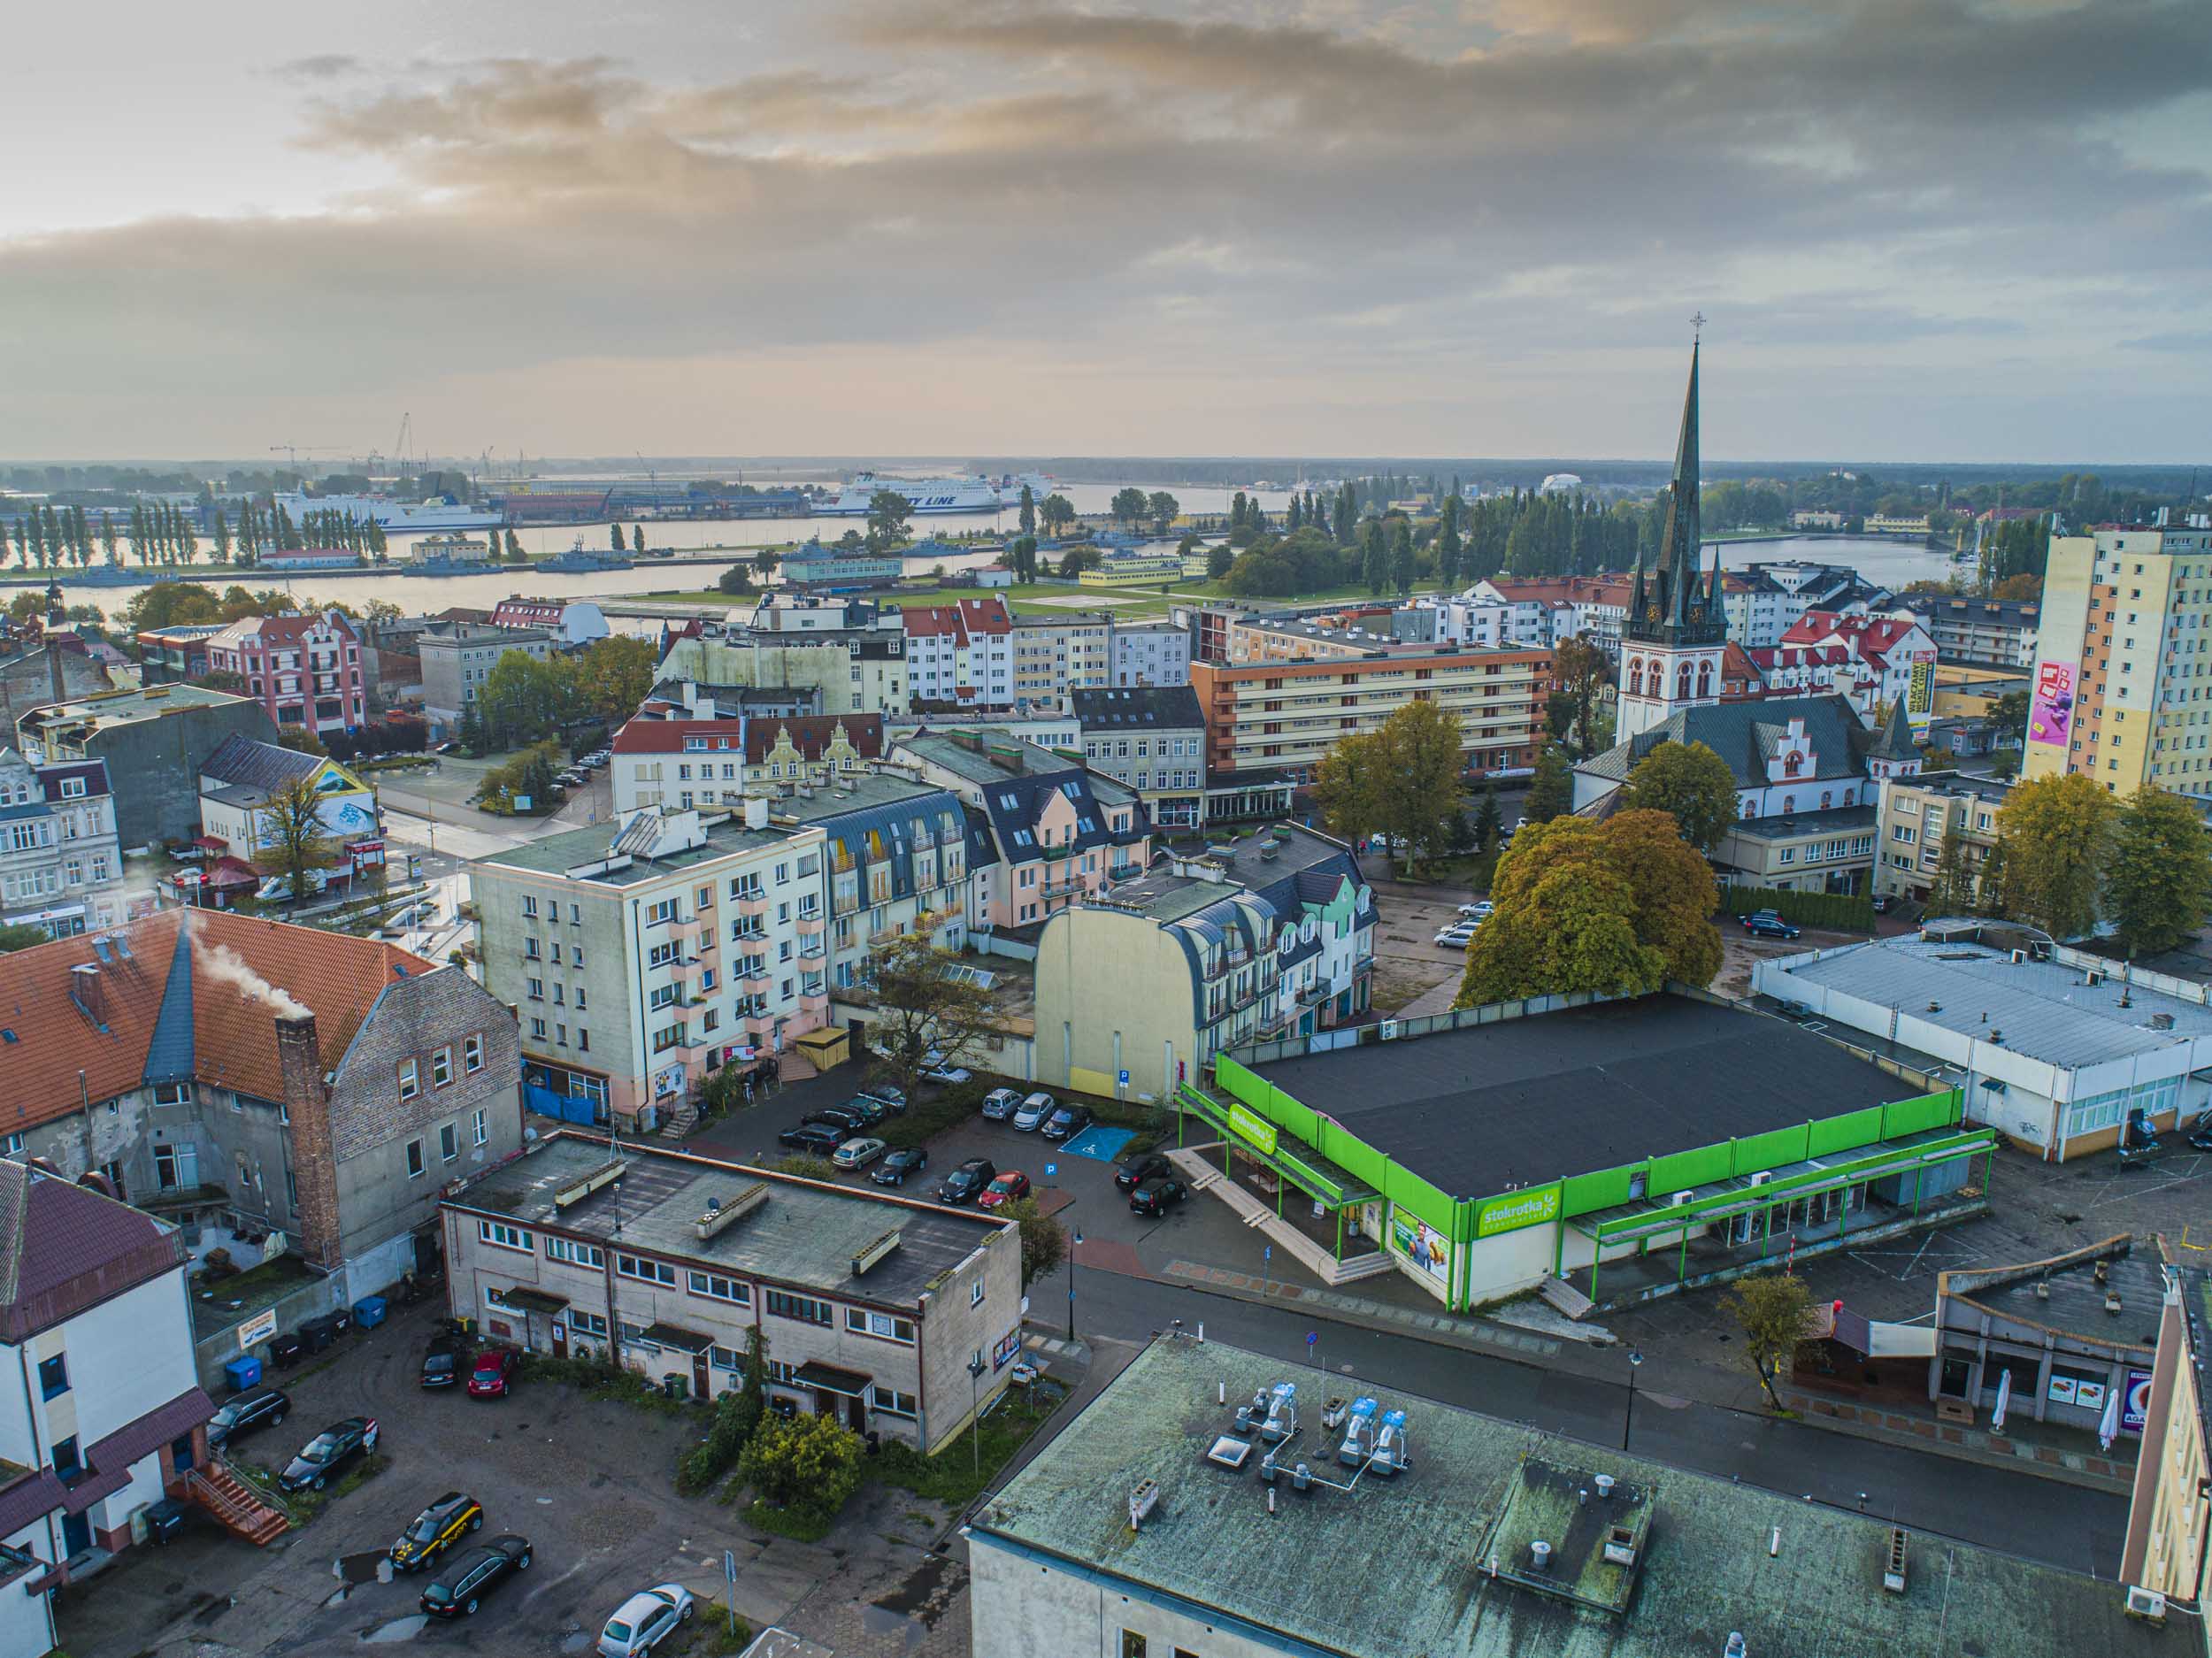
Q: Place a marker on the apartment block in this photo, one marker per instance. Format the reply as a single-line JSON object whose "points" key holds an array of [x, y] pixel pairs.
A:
{"points": [[459, 657], [1054, 655], [2122, 691], [1152, 740], [1282, 716], [961, 653], [819, 655], [1968, 629], [61, 863], [305, 670], [1151, 653], [894, 861], [675, 764], [645, 954], [1916, 814]]}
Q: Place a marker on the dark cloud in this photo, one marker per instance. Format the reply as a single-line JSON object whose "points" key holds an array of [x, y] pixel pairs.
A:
{"points": [[1903, 184]]}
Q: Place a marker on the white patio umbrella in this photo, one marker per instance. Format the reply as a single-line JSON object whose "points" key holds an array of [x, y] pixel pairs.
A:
{"points": [[2004, 1398], [2108, 1428]]}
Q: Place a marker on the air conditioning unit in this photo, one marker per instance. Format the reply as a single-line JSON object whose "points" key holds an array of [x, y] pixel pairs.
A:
{"points": [[1389, 1030], [2092, 980], [2019, 956], [1762, 1177], [1680, 1198], [2146, 1604]]}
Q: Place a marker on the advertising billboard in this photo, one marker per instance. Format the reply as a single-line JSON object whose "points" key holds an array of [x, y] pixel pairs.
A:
{"points": [[1421, 1243], [1920, 696], [2051, 712]]}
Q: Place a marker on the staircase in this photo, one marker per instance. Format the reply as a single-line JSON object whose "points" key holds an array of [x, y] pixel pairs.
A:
{"points": [[241, 1511], [680, 1120], [1566, 1297]]}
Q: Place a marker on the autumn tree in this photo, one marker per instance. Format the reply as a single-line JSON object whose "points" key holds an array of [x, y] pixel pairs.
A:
{"points": [[1421, 758], [615, 674], [2055, 834], [1690, 782], [2158, 883], [1769, 1311], [1349, 785], [1583, 670], [926, 1012], [807, 1464], [289, 836]]}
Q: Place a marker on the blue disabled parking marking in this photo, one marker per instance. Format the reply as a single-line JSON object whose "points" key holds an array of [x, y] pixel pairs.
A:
{"points": [[1104, 1144]]}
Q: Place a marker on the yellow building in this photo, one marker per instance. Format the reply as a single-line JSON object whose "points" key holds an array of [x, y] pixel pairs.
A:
{"points": [[2165, 1550], [2122, 687]]}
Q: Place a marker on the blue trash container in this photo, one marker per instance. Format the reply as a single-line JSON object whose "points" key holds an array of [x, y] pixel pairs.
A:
{"points": [[368, 1312], [243, 1372]]}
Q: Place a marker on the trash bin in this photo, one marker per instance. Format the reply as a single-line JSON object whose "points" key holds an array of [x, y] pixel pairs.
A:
{"points": [[243, 1372], [675, 1384], [368, 1312]]}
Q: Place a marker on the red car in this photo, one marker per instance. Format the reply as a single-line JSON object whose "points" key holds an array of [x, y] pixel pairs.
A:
{"points": [[493, 1375], [1005, 1189]]}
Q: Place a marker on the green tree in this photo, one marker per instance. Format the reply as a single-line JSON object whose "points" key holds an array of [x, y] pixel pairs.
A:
{"points": [[1420, 748], [523, 699], [1350, 784], [1058, 512], [2056, 834], [2010, 713], [925, 1007], [766, 561], [1044, 1241], [637, 538], [736, 581], [806, 1464], [1952, 891], [1028, 520], [16, 935], [1402, 563], [515, 554], [1076, 560], [614, 539], [2158, 883], [1769, 1309], [887, 513], [290, 832], [1218, 559], [737, 1417], [1551, 792], [614, 674], [1582, 669], [1689, 781], [222, 538], [1128, 506], [1489, 823], [1374, 555], [1569, 931], [1163, 508], [1450, 548]]}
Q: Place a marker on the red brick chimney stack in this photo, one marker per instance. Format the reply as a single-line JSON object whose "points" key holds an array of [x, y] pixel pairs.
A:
{"points": [[314, 1159]]}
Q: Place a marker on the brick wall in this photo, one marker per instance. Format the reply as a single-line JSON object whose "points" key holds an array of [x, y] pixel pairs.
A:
{"points": [[314, 1167]]}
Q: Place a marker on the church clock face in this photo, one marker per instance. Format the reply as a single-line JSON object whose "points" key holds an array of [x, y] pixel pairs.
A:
{"points": [[1651, 612]]}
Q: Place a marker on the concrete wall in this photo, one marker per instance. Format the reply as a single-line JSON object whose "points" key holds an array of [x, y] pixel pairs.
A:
{"points": [[1113, 995], [1021, 1607], [154, 766]]}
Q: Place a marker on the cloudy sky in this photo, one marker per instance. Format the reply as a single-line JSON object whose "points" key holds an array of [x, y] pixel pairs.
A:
{"points": [[1922, 229]]}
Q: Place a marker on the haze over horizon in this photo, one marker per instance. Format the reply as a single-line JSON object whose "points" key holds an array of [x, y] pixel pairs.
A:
{"points": [[1961, 230]]}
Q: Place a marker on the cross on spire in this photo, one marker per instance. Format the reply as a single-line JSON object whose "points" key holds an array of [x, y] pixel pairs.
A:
{"points": [[1697, 327]]}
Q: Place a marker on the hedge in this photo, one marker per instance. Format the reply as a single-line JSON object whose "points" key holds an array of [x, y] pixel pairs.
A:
{"points": [[1838, 910]]}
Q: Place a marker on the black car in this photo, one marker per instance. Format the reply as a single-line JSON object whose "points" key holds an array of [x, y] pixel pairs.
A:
{"points": [[1765, 923], [1139, 1167], [327, 1452], [436, 1530], [242, 1413], [1156, 1197], [814, 1137], [965, 1184], [870, 1110], [441, 1365], [457, 1591], [842, 1116], [1067, 1121], [894, 1169]]}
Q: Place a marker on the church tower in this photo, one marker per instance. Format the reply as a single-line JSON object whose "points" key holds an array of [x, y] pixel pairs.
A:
{"points": [[1676, 631]]}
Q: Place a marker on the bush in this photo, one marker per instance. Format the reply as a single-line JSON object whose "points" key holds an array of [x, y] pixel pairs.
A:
{"points": [[1838, 910], [807, 1466], [736, 1415], [923, 1121], [806, 1166]]}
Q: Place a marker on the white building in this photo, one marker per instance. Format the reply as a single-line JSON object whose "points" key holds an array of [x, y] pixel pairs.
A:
{"points": [[101, 1410], [1151, 653], [568, 621], [961, 655], [61, 863]]}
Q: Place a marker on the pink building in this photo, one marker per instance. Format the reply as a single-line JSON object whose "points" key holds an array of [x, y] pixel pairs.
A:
{"points": [[305, 670]]}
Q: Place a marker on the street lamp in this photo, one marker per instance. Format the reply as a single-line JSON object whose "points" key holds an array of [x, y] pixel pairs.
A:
{"points": [[1073, 1247], [1628, 1418], [975, 1409]]}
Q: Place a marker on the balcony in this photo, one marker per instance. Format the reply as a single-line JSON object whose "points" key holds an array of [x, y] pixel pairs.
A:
{"points": [[752, 903], [813, 950], [814, 1001], [811, 925]]}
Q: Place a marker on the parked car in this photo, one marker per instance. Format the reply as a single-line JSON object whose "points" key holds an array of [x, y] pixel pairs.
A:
{"points": [[870, 1110], [327, 1452], [458, 1590], [894, 1169], [1068, 1122], [1032, 1112], [1004, 1189], [890, 1093], [1766, 924], [1882, 901], [840, 1117], [1457, 937], [952, 1076], [858, 1154], [1140, 1166], [818, 1138], [965, 1184], [242, 1413], [1477, 911], [494, 1374], [1156, 1197], [644, 1620], [442, 1364], [1000, 1103], [2200, 1137], [435, 1529]]}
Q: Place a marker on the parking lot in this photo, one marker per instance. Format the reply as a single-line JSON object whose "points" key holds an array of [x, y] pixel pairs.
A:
{"points": [[590, 1482]]}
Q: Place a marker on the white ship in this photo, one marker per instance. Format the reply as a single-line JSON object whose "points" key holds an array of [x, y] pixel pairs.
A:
{"points": [[975, 493], [441, 512]]}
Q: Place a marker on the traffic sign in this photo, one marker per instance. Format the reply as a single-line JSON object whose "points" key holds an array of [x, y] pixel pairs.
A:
{"points": [[1051, 1169], [1124, 1079]]}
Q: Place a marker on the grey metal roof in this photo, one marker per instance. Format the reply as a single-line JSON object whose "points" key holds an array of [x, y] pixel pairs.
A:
{"points": [[1836, 820], [262, 766], [2043, 1010], [1137, 708], [1745, 735]]}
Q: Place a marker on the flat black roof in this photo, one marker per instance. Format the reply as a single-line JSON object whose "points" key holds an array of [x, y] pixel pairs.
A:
{"points": [[1569, 1093]]}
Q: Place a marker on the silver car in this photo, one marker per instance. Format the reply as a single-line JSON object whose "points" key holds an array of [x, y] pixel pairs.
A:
{"points": [[643, 1621], [1000, 1104], [1034, 1111]]}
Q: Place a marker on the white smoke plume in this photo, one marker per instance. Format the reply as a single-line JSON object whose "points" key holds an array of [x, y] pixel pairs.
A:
{"points": [[220, 962]]}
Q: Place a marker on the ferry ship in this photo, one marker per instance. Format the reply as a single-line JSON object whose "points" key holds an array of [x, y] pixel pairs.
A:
{"points": [[441, 512], [974, 494]]}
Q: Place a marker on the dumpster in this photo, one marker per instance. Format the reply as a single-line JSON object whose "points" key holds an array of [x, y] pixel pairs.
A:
{"points": [[242, 1372], [368, 1312]]}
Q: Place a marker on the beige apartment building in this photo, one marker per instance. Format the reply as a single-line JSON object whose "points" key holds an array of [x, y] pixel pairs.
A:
{"points": [[1054, 654], [1916, 813], [892, 1316], [643, 954], [2167, 1526], [1282, 717], [2122, 685]]}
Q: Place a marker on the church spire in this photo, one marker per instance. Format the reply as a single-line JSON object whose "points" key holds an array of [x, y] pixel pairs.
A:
{"points": [[1679, 548]]}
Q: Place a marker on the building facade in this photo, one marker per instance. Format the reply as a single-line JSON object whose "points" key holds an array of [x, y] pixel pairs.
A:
{"points": [[570, 622], [961, 655], [239, 780], [1876, 661], [304, 669], [156, 737], [1055, 654], [1151, 654], [458, 657], [895, 862], [2001, 631], [673, 765], [2167, 1539], [1152, 742], [61, 861], [1676, 634], [645, 954], [1917, 813], [831, 656], [892, 1317]]}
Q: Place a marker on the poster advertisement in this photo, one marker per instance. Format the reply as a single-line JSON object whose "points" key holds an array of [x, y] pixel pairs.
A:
{"points": [[1421, 1243], [2062, 1390], [2135, 1404], [2051, 713], [1920, 697]]}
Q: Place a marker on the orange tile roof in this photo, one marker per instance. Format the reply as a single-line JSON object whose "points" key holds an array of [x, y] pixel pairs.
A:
{"points": [[234, 1030]]}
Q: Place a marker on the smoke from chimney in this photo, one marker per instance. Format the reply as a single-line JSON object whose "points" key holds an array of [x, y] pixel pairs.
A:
{"points": [[222, 963]]}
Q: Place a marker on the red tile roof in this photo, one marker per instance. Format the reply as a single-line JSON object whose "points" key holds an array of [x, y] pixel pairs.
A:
{"points": [[960, 618], [282, 630], [809, 734]]}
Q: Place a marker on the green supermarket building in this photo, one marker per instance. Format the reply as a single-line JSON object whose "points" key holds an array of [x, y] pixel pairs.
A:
{"points": [[1603, 1152]]}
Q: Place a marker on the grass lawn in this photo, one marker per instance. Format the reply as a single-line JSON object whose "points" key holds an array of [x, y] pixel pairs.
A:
{"points": [[1331, 595]]}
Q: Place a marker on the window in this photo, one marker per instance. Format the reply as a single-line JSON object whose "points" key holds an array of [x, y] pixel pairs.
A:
{"points": [[586, 1324], [53, 1376], [576, 1255], [529, 909], [473, 1058], [722, 1289], [892, 1402], [803, 1309], [726, 1359], [67, 1464], [441, 1068], [864, 1323], [173, 1094], [506, 1237], [644, 1271], [537, 1029], [1132, 1644], [414, 1159], [975, 1293], [479, 1127], [410, 1079]]}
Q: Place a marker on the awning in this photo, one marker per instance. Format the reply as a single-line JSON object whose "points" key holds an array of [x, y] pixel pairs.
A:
{"points": [[676, 1337], [526, 1300], [211, 844], [830, 1379]]}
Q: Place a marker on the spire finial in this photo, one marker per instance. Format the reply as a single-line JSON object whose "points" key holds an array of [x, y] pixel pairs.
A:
{"points": [[1697, 327]]}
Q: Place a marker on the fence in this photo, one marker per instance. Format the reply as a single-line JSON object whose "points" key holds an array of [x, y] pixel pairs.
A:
{"points": [[1425, 1024]]}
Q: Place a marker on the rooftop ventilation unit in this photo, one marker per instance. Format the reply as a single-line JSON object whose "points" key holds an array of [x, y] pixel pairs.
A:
{"points": [[1281, 1420], [1539, 1555], [2146, 1604], [872, 1253], [1390, 1443], [1620, 1544], [577, 1190], [721, 1213], [1142, 1499], [1359, 1434], [1228, 1451]]}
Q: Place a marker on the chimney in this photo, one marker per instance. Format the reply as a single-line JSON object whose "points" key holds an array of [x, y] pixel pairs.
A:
{"points": [[314, 1157], [53, 673], [86, 991], [756, 812]]}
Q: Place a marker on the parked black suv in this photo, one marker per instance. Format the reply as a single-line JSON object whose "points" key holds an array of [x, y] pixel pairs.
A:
{"points": [[965, 1184], [814, 1137], [457, 1591], [242, 1413], [1140, 1167], [842, 1116]]}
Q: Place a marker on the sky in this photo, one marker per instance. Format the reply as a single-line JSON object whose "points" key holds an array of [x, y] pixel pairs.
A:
{"points": [[1920, 230]]}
